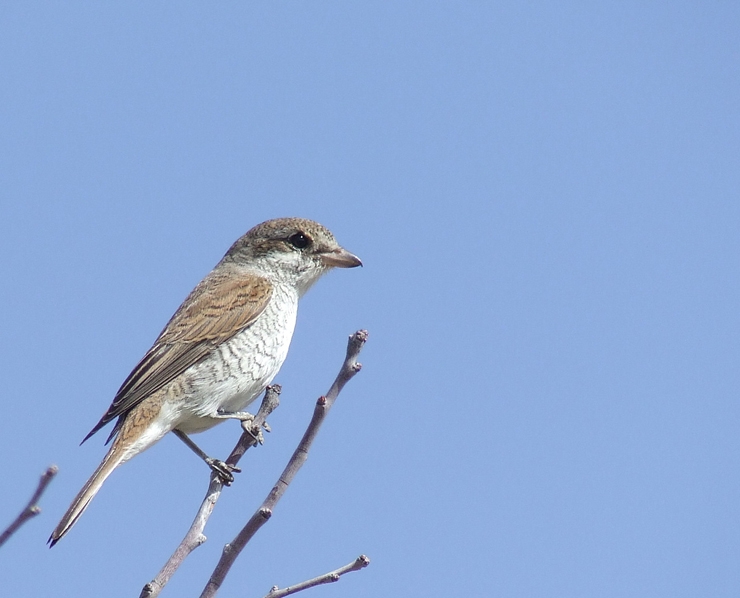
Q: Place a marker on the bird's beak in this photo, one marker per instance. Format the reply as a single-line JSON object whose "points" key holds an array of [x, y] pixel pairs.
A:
{"points": [[340, 258]]}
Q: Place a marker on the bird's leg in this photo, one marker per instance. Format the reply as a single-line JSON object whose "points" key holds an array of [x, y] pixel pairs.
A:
{"points": [[222, 469], [246, 420], [242, 416]]}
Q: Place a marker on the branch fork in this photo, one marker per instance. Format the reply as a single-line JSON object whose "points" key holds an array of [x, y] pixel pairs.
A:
{"points": [[250, 437]]}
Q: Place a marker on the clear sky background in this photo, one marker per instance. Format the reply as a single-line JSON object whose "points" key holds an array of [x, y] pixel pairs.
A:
{"points": [[545, 196]]}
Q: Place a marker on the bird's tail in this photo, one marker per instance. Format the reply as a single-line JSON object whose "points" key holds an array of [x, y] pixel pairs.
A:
{"points": [[112, 460]]}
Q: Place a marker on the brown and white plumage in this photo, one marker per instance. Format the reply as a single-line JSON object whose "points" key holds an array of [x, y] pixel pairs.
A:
{"points": [[221, 348], [218, 308]]}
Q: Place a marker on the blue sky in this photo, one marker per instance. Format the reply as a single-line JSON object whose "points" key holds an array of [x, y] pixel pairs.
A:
{"points": [[545, 196]]}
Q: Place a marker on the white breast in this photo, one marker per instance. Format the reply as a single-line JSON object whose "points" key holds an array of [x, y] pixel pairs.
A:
{"points": [[239, 370]]}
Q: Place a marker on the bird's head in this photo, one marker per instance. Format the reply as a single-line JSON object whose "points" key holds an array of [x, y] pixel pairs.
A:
{"points": [[296, 251]]}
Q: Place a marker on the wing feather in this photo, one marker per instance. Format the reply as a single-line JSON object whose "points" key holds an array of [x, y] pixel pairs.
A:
{"points": [[218, 308]]}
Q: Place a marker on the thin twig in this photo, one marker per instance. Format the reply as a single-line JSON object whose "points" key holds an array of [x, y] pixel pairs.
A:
{"points": [[359, 563], [194, 537], [349, 368], [32, 508]]}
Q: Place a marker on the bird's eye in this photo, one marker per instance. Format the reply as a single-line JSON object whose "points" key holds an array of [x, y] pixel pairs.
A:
{"points": [[299, 240]]}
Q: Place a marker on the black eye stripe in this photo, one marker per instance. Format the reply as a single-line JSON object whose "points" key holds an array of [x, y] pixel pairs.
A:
{"points": [[299, 240]]}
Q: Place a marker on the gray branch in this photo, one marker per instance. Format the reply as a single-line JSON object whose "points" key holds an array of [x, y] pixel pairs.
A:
{"points": [[231, 551], [194, 537], [32, 508], [359, 563]]}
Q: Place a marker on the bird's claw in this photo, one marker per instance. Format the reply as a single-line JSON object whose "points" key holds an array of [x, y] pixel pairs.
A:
{"points": [[223, 470], [256, 433]]}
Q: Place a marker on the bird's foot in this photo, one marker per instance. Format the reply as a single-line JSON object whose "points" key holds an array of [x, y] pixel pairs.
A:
{"points": [[223, 470], [254, 432], [246, 420], [251, 428]]}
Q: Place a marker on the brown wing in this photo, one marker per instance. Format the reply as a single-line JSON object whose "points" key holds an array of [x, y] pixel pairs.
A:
{"points": [[219, 307]]}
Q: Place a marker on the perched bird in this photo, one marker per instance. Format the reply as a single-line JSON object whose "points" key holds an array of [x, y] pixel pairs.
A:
{"points": [[220, 350]]}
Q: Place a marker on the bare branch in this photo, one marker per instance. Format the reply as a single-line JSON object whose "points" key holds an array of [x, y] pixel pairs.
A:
{"points": [[359, 563], [32, 509], [194, 537], [349, 368]]}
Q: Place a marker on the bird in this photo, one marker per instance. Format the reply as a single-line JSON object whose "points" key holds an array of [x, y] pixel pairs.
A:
{"points": [[221, 348]]}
